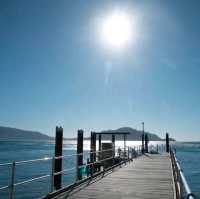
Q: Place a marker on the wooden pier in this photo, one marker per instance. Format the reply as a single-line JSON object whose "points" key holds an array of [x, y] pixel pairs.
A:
{"points": [[125, 173], [149, 176]]}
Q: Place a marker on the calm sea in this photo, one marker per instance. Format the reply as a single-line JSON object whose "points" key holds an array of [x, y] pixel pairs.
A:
{"points": [[187, 153]]}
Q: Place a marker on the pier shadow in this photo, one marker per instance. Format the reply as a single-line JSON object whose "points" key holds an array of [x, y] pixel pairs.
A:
{"points": [[148, 156], [86, 184]]}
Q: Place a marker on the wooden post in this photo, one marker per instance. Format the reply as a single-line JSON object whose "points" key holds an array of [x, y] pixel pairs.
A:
{"points": [[113, 143], [94, 145], [146, 143], [113, 146], [92, 150], [79, 154], [124, 145], [167, 142], [99, 142], [128, 152], [91, 153], [143, 143], [132, 153], [100, 153], [58, 161], [143, 137]]}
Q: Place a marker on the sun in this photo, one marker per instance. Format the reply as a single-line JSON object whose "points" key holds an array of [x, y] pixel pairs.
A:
{"points": [[117, 29]]}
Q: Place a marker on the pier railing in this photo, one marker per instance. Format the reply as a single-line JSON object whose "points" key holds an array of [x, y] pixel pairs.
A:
{"points": [[97, 167], [182, 188], [92, 169]]}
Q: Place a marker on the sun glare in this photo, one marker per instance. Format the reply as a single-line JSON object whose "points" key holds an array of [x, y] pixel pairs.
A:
{"points": [[117, 30]]}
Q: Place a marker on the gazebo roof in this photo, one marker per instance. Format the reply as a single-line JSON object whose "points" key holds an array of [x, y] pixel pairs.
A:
{"points": [[112, 133]]}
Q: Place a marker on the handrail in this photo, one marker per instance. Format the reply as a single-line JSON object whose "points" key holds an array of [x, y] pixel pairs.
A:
{"points": [[56, 157], [181, 184], [50, 158], [31, 180], [53, 173]]}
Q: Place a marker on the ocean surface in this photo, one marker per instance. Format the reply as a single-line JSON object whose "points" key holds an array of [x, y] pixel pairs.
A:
{"points": [[188, 153]]}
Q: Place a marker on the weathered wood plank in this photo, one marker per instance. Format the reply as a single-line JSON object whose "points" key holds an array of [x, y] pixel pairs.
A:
{"points": [[148, 177]]}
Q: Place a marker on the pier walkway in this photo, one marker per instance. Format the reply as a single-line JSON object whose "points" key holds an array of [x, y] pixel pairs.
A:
{"points": [[148, 177]]}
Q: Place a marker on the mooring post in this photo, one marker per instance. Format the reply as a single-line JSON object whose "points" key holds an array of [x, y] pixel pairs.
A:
{"points": [[124, 145], [92, 150], [100, 153], [58, 158], [99, 142], [94, 145], [91, 154], [146, 143], [167, 142], [143, 137], [143, 144], [113, 146], [79, 154], [128, 153], [132, 152]]}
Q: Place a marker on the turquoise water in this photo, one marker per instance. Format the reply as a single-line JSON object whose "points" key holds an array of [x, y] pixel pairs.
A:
{"points": [[187, 153], [26, 150]]}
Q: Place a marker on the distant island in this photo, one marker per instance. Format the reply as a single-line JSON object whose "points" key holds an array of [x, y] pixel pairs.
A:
{"points": [[19, 134]]}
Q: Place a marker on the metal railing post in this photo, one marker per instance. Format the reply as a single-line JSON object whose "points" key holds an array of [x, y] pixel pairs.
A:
{"points": [[52, 173], [12, 181]]}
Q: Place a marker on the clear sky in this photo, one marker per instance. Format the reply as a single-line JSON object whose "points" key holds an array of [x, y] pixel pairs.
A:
{"points": [[55, 69]]}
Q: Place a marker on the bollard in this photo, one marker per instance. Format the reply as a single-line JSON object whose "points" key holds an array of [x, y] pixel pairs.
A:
{"points": [[58, 161], [128, 153], [113, 146], [146, 143], [167, 142], [99, 158], [143, 144], [124, 147], [92, 151], [79, 154]]}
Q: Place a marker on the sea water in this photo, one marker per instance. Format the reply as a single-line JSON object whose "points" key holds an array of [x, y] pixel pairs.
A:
{"points": [[187, 153]]}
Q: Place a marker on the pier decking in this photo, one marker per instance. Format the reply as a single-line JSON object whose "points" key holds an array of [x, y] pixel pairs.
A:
{"points": [[147, 177]]}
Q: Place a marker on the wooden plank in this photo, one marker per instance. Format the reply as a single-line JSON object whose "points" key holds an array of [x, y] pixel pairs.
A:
{"points": [[149, 176]]}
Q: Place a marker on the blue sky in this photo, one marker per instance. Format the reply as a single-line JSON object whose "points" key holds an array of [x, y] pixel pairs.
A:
{"points": [[55, 69]]}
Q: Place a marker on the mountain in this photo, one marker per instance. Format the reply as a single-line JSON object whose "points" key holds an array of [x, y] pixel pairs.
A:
{"points": [[18, 134], [134, 134]]}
